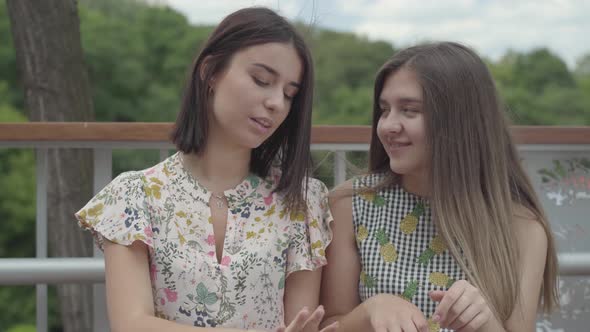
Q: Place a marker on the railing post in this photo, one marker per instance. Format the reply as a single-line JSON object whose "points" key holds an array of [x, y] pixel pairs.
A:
{"points": [[163, 154], [339, 167], [103, 174], [41, 234]]}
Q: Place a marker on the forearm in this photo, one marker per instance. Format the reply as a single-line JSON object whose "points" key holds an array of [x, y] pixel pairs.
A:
{"points": [[154, 324], [356, 320], [493, 325], [302, 289]]}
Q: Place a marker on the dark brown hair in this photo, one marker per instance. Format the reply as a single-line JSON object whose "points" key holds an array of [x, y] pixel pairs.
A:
{"points": [[478, 184], [288, 147]]}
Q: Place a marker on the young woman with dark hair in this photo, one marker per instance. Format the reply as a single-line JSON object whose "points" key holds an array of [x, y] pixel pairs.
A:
{"points": [[229, 232]]}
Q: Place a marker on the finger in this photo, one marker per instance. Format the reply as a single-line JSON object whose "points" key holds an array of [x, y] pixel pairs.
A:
{"points": [[379, 326], [408, 326], [394, 325], [450, 297], [476, 323], [464, 318], [281, 329], [456, 310], [436, 295], [299, 321], [421, 323], [394, 328], [331, 328], [314, 320]]}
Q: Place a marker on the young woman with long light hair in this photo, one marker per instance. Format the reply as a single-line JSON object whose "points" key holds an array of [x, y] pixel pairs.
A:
{"points": [[445, 232]]}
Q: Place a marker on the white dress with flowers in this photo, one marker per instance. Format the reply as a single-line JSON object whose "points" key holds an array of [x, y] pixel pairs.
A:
{"points": [[166, 208]]}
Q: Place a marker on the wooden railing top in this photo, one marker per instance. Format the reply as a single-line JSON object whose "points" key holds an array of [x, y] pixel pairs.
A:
{"points": [[160, 132]]}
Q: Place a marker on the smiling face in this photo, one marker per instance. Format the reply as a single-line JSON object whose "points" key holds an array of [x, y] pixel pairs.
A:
{"points": [[253, 95], [401, 126]]}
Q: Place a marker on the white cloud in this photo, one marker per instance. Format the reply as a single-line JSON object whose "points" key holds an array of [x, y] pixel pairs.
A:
{"points": [[490, 26], [212, 12]]}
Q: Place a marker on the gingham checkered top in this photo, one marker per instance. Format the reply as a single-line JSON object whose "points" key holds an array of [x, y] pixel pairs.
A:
{"points": [[399, 256]]}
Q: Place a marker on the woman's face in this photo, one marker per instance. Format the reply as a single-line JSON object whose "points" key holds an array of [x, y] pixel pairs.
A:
{"points": [[253, 95], [401, 128]]}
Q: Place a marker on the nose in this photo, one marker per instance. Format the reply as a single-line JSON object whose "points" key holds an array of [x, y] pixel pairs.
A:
{"points": [[275, 100], [391, 124]]}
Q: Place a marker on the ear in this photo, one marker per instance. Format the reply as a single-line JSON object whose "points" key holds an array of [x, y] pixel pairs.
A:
{"points": [[204, 66], [203, 70]]}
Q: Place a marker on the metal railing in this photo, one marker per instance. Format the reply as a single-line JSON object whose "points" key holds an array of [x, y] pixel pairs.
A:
{"points": [[102, 138], [32, 271]]}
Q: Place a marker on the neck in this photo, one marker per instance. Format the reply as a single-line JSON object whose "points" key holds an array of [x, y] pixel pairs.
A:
{"points": [[219, 167], [417, 184]]}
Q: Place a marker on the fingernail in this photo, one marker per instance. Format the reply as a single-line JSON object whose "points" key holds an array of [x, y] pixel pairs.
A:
{"points": [[436, 318]]}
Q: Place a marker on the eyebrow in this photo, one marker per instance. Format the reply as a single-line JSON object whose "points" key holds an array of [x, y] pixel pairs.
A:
{"points": [[275, 73], [406, 100]]}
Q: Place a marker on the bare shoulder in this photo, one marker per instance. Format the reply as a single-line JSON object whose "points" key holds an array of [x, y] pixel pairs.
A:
{"points": [[340, 201], [342, 193], [529, 228]]}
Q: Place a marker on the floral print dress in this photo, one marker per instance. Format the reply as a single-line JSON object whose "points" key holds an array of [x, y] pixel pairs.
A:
{"points": [[167, 209]]}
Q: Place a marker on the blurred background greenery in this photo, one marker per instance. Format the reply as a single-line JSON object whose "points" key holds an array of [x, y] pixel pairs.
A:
{"points": [[138, 56]]}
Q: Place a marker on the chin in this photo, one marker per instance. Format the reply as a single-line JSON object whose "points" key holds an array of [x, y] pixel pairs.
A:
{"points": [[399, 168], [247, 140], [256, 141]]}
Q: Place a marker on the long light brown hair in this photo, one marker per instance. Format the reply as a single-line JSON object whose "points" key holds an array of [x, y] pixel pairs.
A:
{"points": [[477, 180]]}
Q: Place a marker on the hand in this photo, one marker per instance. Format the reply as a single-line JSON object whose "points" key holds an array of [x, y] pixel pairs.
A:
{"points": [[461, 308], [389, 313], [306, 322]]}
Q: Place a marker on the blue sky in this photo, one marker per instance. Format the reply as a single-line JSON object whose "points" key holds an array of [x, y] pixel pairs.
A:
{"points": [[489, 26]]}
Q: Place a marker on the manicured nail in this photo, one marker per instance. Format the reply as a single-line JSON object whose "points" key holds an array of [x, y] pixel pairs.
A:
{"points": [[436, 318]]}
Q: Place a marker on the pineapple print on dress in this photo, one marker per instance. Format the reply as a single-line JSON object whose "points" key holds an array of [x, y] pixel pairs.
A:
{"points": [[367, 280], [361, 234], [433, 326], [437, 247], [410, 290], [440, 279], [372, 197], [409, 223], [408, 295], [386, 248]]}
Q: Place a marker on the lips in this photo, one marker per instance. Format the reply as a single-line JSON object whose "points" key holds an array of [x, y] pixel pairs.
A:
{"points": [[261, 125], [397, 145], [263, 122]]}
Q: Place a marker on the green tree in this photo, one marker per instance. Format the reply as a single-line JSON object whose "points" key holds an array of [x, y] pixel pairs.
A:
{"points": [[346, 65], [541, 69]]}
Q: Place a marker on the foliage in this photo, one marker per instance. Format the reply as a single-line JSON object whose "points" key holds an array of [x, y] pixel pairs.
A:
{"points": [[138, 56]]}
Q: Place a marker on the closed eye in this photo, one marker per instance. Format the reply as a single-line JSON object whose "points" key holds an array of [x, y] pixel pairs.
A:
{"points": [[259, 81], [410, 110]]}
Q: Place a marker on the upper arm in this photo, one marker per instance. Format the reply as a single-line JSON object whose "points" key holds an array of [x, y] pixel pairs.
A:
{"points": [[339, 292], [532, 246], [128, 284], [302, 289]]}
